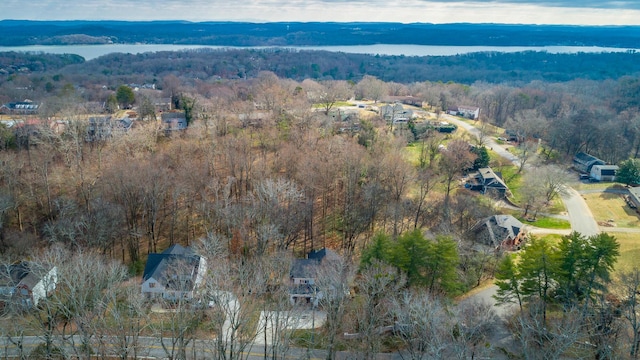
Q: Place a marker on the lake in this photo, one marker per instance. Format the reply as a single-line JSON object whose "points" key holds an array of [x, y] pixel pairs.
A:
{"points": [[93, 51]]}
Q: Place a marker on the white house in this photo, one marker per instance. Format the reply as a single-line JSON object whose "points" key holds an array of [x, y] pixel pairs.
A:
{"points": [[173, 274], [471, 112], [603, 172], [26, 283]]}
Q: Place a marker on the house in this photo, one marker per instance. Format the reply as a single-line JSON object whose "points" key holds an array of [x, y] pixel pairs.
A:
{"points": [[512, 135], [26, 283], [396, 113], [173, 274], [470, 112], [25, 107], [583, 162], [488, 181], [174, 121], [162, 104], [500, 232], [407, 100], [304, 273], [633, 198], [603, 172]]}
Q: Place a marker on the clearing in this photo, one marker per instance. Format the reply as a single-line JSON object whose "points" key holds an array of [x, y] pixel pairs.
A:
{"points": [[606, 207]]}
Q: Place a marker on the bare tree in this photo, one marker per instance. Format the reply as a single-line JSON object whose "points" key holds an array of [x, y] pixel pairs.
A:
{"points": [[332, 92], [547, 340], [377, 285], [333, 281], [372, 88], [118, 332], [229, 294], [423, 325], [474, 323], [554, 180], [628, 287], [456, 158]]}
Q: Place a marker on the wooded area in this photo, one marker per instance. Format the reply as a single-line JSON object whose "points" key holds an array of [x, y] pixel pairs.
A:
{"points": [[273, 163]]}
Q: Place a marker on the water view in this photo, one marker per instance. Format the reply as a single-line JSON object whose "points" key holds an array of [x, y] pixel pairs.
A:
{"points": [[93, 51]]}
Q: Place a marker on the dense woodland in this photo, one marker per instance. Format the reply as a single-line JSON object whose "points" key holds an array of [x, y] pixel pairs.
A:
{"points": [[268, 170], [20, 33]]}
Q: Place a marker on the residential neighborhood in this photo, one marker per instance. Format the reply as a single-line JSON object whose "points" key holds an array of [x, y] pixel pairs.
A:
{"points": [[179, 215]]}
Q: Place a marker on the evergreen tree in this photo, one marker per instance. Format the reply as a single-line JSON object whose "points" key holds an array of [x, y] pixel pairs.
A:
{"points": [[628, 172], [377, 250], [508, 282], [442, 264], [482, 159], [538, 269], [125, 96]]}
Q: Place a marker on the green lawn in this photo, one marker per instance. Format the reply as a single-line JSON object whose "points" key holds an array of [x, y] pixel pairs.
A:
{"points": [[606, 206], [629, 250], [548, 223]]}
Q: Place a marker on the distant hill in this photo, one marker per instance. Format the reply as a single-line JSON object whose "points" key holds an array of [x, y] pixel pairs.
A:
{"points": [[22, 32]]}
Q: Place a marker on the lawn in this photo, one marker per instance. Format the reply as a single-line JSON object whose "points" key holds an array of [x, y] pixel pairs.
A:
{"points": [[580, 186], [605, 207], [548, 223], [629, 250]]}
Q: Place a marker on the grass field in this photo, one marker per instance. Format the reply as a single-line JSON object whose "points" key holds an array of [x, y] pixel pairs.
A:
{"points": [[607, 207], [629, 250], [580, 186], [548, 223]]}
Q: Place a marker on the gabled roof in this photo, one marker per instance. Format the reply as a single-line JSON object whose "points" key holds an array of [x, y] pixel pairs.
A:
{"points": [[497, 228], [22, 274], [491, 179], [308, 268], [585, 158], [304, 268], [176, 261]]}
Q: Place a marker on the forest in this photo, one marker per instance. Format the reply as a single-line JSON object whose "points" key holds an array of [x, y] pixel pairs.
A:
{"points": [[273, 164], [23, 32]]}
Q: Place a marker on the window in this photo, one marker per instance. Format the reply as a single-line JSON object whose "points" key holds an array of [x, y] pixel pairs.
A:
{"points": [[152, 285]]}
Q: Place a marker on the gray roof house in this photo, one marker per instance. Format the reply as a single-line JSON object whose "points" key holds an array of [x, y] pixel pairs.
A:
{"points": [[488, 181], [633, 198], [174, 121], [499, 232], [26, 283], [304, 273], [583, 162], [173, 274]]}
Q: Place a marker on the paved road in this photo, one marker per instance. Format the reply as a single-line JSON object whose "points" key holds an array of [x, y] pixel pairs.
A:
{"points": [[580, 215]]}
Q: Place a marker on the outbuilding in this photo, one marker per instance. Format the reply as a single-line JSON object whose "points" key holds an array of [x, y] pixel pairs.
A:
{"points": [[603, 172]]}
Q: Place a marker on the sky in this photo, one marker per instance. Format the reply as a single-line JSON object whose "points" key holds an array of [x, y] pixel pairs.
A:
{"points": [[582, 12]]}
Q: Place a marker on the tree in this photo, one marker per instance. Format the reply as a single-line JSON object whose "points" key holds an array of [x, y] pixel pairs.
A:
{"points": [[332, 91], [628, 286], [423, 325], [456, 158], [508, 281], [532, 193], [125, 96], [628, 172], [482, 157], [333, 280], [554, 180], [525, 150], [538, 268], [377, 285], [372, 88], [428, 263]]}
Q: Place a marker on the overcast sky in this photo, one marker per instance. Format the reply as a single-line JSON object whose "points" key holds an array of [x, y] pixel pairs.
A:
{"points": [[583, 12]]}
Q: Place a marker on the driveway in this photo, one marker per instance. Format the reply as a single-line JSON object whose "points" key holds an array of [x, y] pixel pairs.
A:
{"points": [[291, 320]]}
